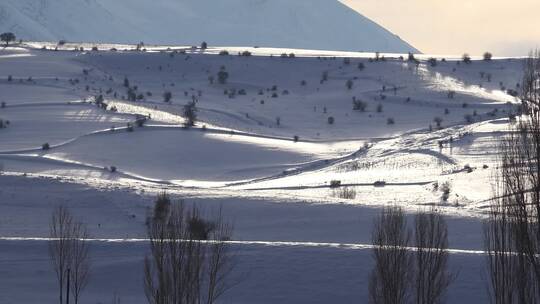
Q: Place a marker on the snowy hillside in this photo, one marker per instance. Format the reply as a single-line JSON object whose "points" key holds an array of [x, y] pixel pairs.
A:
{"points": [[267, 144], [308, 24]]}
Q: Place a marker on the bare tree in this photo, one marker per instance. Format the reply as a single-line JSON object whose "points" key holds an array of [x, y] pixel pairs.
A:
{"points": [[512, 232], [390, 278], [68, 251], [60, 232], [431, 258], [189, 260], [80, 262]]}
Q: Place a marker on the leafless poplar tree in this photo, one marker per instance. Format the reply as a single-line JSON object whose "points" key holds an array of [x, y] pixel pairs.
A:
{"points": [[68, 251], [512, 232], [432, 277], [80, 262], [189, 260], [391, 276], [60, 232]]}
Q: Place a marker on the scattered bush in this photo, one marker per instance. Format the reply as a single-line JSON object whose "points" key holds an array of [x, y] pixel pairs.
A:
{"points": [[379, 108], [224, 53], [390, 121], [466, 58], [335, 183], [432, 62], [45, 146], [349, 84], [379, 184], [345, 193], [324, 76], [488, 56], [190, 113], [438, 121], [445, 189], [359, 105], [204, 45], [331, 120], [167, 96], [223, 76]]}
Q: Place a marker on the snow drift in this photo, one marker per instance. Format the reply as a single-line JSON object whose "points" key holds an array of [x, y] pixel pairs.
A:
{"points": [[308, 24]]}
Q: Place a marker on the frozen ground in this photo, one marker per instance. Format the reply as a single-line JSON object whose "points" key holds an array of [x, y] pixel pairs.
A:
{"points": [[288, 221]]}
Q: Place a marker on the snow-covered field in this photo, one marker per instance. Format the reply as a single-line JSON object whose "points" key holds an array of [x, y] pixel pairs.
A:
{"points": [[296, 240]]}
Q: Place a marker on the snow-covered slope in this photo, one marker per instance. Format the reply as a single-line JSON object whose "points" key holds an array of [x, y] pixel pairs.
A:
{"points": [[311, 24]]}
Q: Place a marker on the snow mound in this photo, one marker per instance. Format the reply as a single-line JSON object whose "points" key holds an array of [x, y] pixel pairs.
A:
{"points": [[308, 24]]}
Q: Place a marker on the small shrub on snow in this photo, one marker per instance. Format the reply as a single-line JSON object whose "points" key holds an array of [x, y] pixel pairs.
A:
{"points": [[488, 56], [3, 104], [167, 96], [390, 121], [349, 84], [466, 58], [190, 113], [379, 108], [438, 121], [335, 183], [345, 193], [324, 76], [223, 76], [331, 120], [359, 105], [45, 146], [445, 189]]}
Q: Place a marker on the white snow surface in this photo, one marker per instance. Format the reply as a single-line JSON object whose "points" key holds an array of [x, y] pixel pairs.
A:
{"points": [[308, 24], [296, 239]]}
